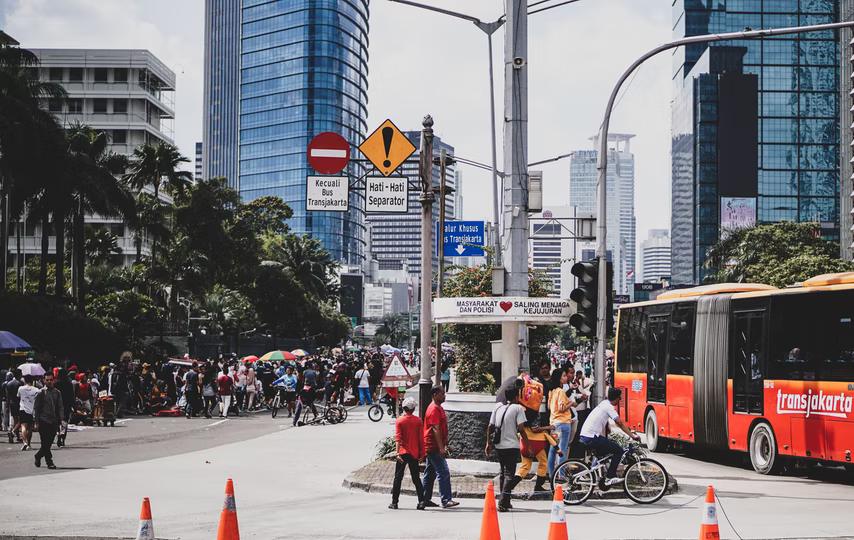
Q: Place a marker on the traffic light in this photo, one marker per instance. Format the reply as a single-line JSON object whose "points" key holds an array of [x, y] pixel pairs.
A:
{"points": [[586, 297]]}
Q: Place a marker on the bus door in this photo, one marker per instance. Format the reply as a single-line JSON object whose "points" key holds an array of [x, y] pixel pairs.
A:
{"points": [[747, 362], [657, 358]]}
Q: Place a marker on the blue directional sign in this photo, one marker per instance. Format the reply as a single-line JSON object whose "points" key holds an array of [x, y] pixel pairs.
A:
{"points": [[463, 238]]}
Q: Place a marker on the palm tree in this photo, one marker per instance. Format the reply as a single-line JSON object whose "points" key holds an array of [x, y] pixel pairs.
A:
{"points": [[394, 329], [311, 265], [29, 136], [152, 165], [148, 221], [93, 187]]}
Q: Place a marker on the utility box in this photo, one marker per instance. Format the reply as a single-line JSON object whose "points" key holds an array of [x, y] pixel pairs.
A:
{"points": [[535, 191]]}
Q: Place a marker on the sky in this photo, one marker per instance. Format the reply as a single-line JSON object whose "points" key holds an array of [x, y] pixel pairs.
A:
{"points": [[428, 63]]}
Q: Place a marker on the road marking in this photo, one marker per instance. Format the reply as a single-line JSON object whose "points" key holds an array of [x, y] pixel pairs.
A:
{"points": [[217, 423], [123, 420]]}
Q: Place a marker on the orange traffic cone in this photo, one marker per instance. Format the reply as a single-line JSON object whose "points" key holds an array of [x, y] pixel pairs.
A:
{"points": [[709, 526], [489, 524], [146, 527], [557, 523], [228, 517]]}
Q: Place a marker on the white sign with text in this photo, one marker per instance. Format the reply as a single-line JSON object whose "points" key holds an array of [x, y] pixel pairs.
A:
{"points": [[498, 309], [386, 195], [329, 193]]}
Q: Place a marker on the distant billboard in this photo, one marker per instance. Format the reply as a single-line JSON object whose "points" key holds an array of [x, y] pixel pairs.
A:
{"points": [[737, 213]]}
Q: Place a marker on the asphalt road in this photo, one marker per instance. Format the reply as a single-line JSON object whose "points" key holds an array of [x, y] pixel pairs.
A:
{"points": [[136, 438]]}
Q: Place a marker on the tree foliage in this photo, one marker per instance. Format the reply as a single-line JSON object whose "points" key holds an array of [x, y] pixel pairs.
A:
{"points": [[778, 254]]}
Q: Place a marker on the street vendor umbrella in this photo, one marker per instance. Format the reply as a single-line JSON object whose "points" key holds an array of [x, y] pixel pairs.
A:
{"points": [[10, 342], [250, 358], [278, 355], [299, 352], [31, 369]]}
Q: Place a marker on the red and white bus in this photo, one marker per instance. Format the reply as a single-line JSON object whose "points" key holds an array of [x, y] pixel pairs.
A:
{"points": [[743, 366]]}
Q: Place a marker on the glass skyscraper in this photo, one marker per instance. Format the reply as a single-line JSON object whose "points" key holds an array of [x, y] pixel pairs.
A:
{"points": [[277, 74], [755, 127]]}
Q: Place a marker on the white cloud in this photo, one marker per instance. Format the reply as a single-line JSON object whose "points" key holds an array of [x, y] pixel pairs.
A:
{"points": [[423, 63]]}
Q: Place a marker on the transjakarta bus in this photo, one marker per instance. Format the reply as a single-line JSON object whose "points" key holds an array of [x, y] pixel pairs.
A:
{"points": [[747, 367]]}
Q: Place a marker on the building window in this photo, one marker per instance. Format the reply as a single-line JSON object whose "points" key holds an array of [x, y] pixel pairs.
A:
{"points": [[75, 74], [99, 106], [55, 74], [101, 75], [54, 105], [120, 75], [120, 106], [75, 106], [120, 136]]}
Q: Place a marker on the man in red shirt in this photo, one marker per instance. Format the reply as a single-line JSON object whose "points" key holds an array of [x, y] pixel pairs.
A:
{"points": [[410, 450], [436, 446]]}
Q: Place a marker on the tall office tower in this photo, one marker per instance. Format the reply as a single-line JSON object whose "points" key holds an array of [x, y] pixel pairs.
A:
{"points": [[755, 125], [277, 73], [551, 248], [126, 93], [846, 140], [655, 256], [620, 202], [396, 238], [197, 175]]}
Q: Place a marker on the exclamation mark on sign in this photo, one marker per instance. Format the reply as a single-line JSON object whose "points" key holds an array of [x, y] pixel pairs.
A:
{"points": [[388, 133]]}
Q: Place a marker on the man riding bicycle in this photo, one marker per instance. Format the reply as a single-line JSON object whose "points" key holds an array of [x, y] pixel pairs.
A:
{"points": [[287, 386], [594, 435]]}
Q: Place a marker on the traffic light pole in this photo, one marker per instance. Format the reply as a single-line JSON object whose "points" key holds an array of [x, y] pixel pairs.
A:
{"points": [[602, 167]]}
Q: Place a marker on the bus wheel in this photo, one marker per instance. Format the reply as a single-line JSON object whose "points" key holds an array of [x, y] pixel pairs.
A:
{"points": [[653, 440], [763, 450]]}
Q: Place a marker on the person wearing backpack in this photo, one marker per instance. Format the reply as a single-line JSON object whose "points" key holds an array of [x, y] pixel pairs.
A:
{"points": [[506, 423]]}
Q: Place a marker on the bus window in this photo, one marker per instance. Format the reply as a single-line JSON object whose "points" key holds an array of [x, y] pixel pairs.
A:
{"points": [[682, 340], [637, 333], [656, 374], [746, 361], [624, 342]]}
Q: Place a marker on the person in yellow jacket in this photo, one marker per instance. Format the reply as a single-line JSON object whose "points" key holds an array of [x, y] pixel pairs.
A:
{"points": [[562, 416], [534, 444]]}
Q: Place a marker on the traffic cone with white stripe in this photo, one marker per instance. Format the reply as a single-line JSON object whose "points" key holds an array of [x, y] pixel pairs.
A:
{"points": [[709, 526], [146, 527], [228, 529], [489, 523], [557, 522]]}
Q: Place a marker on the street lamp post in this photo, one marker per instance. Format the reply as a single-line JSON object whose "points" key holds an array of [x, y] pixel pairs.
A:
{"points": [[602, 167], [427, 197]]}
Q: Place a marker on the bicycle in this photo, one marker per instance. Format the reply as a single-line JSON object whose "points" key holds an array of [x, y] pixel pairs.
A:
{"points": [[326, 413], [278, 401], [645, 480], [375, 411]]}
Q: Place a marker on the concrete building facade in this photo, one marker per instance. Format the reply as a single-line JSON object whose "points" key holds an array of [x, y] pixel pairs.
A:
{"points": [[655, 256]]}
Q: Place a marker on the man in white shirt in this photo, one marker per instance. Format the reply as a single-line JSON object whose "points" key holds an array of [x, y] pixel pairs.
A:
{"points": [[594, 433], [506, 423], [27, 396], [364, 378]]}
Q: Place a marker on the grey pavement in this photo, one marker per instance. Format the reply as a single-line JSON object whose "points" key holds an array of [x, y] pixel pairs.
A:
{"points": [[288, 484]]}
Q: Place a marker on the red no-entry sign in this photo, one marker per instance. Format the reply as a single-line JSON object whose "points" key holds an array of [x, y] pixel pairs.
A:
{"points": [[328, 153]]}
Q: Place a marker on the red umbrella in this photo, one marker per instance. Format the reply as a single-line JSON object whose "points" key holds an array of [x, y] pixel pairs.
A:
{"points": [[250, 358]]}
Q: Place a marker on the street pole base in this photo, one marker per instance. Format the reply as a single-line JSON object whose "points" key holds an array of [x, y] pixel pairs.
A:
{"points": [[425, 396]]}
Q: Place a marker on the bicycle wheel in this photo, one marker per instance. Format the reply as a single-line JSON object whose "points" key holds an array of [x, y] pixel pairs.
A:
{"points": [[309, 414], [274, 407], [375, 413], [645, 481], [333, 415], [343, 410], [576, 479]]}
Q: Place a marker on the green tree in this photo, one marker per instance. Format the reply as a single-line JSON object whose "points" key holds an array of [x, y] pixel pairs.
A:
{"points": [[393, 329], [158, 165], [101, 245], [228, 311], [778, 254], [149, 221], [126, 312], [304, 256]]}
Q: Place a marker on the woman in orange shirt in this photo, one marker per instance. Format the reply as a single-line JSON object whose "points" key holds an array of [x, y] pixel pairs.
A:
{"points": [[562, 416]]}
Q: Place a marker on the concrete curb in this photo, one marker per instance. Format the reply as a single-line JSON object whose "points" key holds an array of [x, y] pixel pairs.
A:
{"points": [[524, 491]]}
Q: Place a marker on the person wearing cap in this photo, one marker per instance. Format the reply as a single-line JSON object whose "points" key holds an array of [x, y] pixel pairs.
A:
{"points": [[410, 451]]}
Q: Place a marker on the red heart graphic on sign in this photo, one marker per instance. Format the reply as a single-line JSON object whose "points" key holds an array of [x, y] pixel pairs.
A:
{"points": [[506, 306]]}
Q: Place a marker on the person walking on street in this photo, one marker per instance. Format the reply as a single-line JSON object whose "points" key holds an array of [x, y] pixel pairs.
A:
{"points": [[506, 422], [48, 415], [27, 397], [436, 448], [562, 416], [208, 389], [13, 402], [364, 378], [408, 433], [225, 383], [191, 391]]}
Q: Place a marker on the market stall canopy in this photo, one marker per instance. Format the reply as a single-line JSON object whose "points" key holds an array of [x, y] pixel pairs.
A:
{"points": [[9, 342]]}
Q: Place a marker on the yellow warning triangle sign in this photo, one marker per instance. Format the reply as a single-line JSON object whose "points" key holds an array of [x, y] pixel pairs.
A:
{"points": [[387, 148]]}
